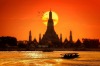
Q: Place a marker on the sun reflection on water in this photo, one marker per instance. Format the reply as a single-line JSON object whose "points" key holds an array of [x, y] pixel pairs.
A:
{"points": [[48, 64], [58, 60], [48, 59], [34, 55]]}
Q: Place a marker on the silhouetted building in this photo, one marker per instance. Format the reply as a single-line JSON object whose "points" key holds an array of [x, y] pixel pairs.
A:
{"points": [[78, 44], [70, 37], [39, 38], [21, 44], [60, 38], [11, 41], [6, 42], [30, 37], [91, 43], [33, 44], [35, 41], [65, 42], [50, 37], [70, 43]]}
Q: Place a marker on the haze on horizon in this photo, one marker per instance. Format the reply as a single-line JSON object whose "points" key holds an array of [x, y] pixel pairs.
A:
{"points": [[18, 17]]}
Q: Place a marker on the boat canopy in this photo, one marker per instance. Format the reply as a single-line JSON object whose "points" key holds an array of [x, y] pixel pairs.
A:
{"points": [[69, 54]]}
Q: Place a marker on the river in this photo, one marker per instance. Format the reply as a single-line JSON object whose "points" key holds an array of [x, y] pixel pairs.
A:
{"points": [[39, 58]]}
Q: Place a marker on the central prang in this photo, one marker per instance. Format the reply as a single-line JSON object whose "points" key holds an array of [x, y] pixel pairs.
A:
{"points": [[50, 38]]}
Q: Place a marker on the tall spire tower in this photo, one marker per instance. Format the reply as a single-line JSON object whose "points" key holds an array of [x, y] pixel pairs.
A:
{"points": [[61, 38], [70, 37], [50, 15], [30, 36], [39, 38], [50, 25], [50, 35]]}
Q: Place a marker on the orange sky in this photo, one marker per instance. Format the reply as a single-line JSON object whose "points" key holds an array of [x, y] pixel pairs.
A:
{"points": [[18, 17]]}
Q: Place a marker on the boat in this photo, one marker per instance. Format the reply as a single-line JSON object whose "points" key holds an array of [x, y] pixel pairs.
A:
{"points": [[70, 55]]}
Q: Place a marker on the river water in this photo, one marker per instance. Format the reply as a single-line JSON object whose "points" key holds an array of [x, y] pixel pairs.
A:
{"points": [[39, 58]]}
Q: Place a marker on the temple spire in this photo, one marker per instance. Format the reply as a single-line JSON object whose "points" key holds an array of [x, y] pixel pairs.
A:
{"points": [[50, 36], [50, 15], [70, 37], [30, 36], [50, 25], [39, 38], [61, 38]]}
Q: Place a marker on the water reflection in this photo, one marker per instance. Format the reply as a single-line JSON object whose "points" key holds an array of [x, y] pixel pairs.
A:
{"points": [[58, 60], [34, 55], [47, 59]]}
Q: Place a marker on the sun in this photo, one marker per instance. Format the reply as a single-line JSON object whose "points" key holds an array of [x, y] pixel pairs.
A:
{"points": [[45, 17]]}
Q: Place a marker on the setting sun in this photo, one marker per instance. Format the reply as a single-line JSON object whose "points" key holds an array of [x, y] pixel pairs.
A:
{"points": [[45, 17]]}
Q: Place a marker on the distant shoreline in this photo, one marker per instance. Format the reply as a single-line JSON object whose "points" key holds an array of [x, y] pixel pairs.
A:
{"points": [[53, 49]]}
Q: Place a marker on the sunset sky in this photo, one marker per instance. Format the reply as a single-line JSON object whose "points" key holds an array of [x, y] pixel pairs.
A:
{"points": [[18, 17]]}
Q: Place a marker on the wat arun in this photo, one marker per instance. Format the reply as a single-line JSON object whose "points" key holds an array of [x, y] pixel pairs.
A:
{"points": [[50, 37]]}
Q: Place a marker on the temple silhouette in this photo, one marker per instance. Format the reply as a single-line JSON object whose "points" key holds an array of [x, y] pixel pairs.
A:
{"points": [[49, 41], [50, 37]]}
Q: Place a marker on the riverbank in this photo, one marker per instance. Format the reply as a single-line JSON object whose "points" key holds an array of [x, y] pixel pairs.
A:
{"points": [[53, 49]]}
